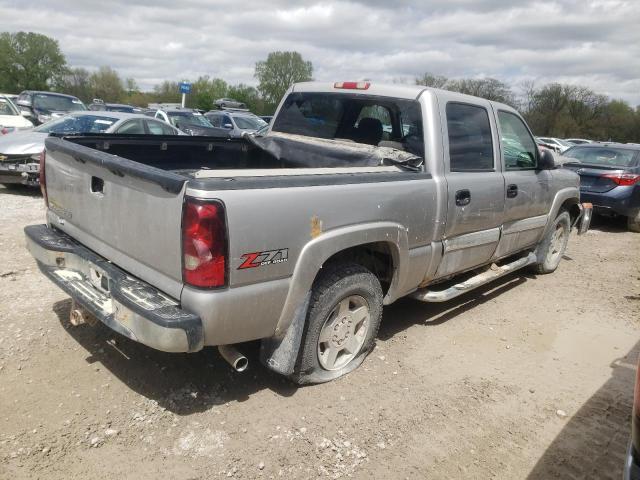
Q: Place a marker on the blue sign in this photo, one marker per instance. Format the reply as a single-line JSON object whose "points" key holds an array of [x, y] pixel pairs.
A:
{"points": [[185, 87]]}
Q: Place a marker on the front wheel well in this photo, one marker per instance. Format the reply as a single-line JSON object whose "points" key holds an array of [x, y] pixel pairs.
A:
{"points": [[572, 206], [375, 257]]}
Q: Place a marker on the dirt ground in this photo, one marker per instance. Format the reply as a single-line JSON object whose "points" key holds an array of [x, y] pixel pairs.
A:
{"points": [[530, 377]]}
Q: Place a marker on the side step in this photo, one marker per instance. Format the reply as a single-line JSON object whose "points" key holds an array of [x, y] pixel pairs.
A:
{"points": [[425, 295]]}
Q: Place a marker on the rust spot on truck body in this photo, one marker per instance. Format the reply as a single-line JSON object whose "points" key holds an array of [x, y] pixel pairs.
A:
{"points": [[316, 227]]}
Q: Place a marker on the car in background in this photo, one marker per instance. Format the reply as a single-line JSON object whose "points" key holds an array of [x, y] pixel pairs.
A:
{"points": [[40, 107], [10, 117], [578, 141], [267, 118], [609, 178], [558, 144], [113, 107], [235, 123], [20, 151], [229, 103], [190, 122]]}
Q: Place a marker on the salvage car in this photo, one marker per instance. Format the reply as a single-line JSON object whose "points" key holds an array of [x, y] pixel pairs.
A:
{"points": [[299, 237], [20, 151], [10, 117], [609, 178], [40, 107], [229, 103], [235, 123], [190, 122]]}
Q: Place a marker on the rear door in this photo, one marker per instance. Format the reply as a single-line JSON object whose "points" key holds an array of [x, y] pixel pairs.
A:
{"points": [[528, 191], [475, 185]]}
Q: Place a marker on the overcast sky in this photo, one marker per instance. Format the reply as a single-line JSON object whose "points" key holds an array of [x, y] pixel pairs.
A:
{"points": [[593, 43]]}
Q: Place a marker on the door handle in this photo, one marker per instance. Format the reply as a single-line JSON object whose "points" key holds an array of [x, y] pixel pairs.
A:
{"points": [[512, 191], [463, 197]]}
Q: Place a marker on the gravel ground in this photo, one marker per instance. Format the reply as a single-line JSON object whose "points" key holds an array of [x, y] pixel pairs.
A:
{"points": [[527, 377]]}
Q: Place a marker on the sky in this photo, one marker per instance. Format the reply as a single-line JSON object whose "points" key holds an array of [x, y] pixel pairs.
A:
{"points": [[592, 43]]}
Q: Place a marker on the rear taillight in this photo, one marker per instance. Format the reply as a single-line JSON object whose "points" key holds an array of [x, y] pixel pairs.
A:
{"points": [[352, 85], [623, 179], [204, 244], [43, 177], [635, 418]]}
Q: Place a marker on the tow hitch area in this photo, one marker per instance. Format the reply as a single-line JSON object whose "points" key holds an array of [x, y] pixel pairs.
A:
{"points": [[79, 315]]}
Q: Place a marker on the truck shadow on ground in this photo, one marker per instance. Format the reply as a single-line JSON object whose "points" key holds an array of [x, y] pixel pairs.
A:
{"points": [[181, 383], [407, 312], [594, 442], [20, 190]]}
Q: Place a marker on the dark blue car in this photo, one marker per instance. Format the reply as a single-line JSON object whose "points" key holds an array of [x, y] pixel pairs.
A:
{"points": [[609, 178]]}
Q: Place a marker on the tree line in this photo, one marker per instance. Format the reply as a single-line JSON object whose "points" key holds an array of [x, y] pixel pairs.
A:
{"points": [[33, 61]]}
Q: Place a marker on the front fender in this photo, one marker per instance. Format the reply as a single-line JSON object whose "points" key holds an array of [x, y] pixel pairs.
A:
{"points": [[320, 249], [568, 193]]}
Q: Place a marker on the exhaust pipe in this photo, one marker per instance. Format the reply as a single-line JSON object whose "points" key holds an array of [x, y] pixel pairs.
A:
{"points": [[233, 357]]}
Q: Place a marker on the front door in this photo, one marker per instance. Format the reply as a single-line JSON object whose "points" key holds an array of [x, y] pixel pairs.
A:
{"points": [[528, 189], [475, 186]]}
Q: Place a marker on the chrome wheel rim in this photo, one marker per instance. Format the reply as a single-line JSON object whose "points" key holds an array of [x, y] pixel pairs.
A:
{"points": [[557, 244], [343, 333]]}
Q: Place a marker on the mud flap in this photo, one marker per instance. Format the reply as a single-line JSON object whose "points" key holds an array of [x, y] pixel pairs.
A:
{"points": [[280, 354]]}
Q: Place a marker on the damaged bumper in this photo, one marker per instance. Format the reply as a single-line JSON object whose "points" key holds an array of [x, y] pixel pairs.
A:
{"points": [[126, 304], [22, 170], [583, 222]]}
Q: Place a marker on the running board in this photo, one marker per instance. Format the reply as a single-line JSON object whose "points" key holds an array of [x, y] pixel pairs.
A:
{"points": [[425, 295]]}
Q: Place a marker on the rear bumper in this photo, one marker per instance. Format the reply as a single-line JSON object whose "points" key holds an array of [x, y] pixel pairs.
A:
{"points": [[620, 200], [126, 304], [22, 173]]}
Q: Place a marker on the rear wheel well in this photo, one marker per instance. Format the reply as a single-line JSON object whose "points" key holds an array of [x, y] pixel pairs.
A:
{"points": [[375, 257]]}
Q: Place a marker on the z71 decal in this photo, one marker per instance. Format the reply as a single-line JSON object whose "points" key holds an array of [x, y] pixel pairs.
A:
{"points": [[260, 259]]}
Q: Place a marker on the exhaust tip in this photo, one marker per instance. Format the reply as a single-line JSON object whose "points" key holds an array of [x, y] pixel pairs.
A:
{"points": [[233, 357]]}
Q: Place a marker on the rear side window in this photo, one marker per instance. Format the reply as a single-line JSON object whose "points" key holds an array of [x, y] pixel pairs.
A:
{"points": [[132, 127], [519, 149], [470, 142], [159, 128]]}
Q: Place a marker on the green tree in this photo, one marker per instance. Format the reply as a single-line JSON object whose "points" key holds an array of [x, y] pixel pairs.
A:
{"points": [[276, 74], [166, 92], [29, 61], [76, 81], [107, 85], [430, 80], [250, 97], [204, 91]]}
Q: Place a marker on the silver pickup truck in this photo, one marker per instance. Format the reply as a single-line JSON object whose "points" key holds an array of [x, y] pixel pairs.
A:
{"points": [[357, 195]]}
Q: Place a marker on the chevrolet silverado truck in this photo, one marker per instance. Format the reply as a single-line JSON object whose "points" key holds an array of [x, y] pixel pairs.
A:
{"points": [[357, 195]]}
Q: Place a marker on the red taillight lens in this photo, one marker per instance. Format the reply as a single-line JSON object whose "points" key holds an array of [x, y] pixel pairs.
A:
{"points": [[204, 244], [352, 85], [623, 179], [43, 177]]}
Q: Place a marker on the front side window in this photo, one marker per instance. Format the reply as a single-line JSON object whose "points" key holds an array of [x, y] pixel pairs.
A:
{"points": [[249, 123], [7, 107], [519, 149], [214, 119], [470, 141]]}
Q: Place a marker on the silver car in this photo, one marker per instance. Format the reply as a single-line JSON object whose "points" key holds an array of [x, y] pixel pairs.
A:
{"points": [[20, 150]]}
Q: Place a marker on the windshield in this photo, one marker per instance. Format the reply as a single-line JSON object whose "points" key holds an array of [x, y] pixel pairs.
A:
{"points": [[77, 124], [7, 107], [605, 156], [249, 123], [186, 119], [52, 103], [380, 121]]}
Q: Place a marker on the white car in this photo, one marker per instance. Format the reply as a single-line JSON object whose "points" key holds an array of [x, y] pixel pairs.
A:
{"points": [[578, 141], [20, 151], [10, 117], [559, 144]]}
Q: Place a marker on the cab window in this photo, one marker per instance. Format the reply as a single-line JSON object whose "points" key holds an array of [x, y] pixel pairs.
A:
{"points": [[470, 142], [519, 149]]}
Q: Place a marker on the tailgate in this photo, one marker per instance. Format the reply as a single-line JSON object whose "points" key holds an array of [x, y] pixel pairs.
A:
{"points": [[125, 211]]}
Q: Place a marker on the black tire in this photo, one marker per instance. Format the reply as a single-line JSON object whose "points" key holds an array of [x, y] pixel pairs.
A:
{"points": [[334, 285], [633, 221], [549, 253]]}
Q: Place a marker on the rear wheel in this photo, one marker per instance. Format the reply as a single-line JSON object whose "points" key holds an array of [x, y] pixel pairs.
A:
{"points": [[553, 245], [342, 324], [633, 221]]}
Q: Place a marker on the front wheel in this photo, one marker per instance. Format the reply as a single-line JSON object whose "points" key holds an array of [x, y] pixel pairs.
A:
{"points": [[553, 245], [342, 324]]}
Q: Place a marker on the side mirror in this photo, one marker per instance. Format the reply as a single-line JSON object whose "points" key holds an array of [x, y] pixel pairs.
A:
{"points": [[25, 113], [228, 126], [546, 161]]}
